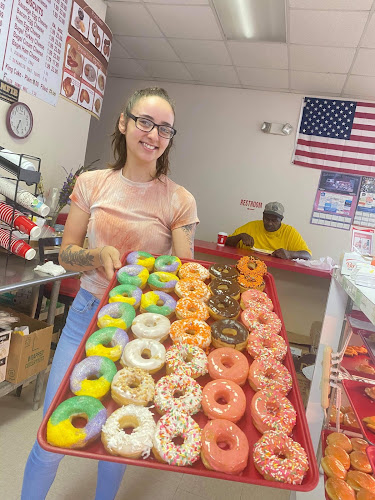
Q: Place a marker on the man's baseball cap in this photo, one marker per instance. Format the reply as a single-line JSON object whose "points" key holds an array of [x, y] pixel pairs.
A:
{"points": [[274, 208]]}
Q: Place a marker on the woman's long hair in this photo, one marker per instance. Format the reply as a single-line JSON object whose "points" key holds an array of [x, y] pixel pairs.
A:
{"points": [[119, 140]]}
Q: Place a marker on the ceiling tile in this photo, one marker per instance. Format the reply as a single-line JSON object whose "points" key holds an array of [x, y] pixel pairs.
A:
{"points": [[163, 69], [157, 49], [118, 50], [320, 59], [128, 68], [331, 4], [335, 29], [201, 51], [211, 73], [130, 19], [364, 63], [179, 2], [178, 21], [265, 78], [316, 82], [361, 86], [259, 55], [369, 38]]}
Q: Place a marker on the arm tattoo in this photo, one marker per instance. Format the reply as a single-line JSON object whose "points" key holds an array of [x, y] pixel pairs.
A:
{"points": [[189, 231], [76, 258]]}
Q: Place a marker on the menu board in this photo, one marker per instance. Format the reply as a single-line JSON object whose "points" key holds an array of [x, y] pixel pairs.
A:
{"points": [[87, 50], [32, 35]]}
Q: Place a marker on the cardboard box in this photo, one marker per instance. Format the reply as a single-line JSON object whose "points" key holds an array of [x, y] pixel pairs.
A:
{"points": [[3, 367], [28, 354], [4, 342]]}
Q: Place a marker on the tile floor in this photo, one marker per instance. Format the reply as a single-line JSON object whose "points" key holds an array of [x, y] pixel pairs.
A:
{"points": [[18, 427]]}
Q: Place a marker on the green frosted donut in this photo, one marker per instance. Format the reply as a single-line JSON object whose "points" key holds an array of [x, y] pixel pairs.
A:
{"points": [[118, 314], [130, 294], [108, 342], [167, 264]]}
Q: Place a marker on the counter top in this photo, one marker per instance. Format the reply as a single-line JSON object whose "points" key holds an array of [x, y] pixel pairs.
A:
{"points": [[236, 253]]}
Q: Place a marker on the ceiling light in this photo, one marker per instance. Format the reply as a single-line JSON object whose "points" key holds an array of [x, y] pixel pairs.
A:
{"points": [[258, 20]]}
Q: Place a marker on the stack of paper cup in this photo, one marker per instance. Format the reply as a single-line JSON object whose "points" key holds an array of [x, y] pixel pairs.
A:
{"points": [[21, 222], [24, 198], [16, 160], [18, 247]]}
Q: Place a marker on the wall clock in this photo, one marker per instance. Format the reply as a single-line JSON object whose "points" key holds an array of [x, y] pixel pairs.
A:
{"points": [[19, 120]]}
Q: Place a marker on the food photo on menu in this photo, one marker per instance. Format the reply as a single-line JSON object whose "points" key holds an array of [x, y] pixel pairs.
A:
{"points": [[80, 20], [95, 34], [89, 72], [106, 49], [100, 84], [74, 61], [97, 104], [70, 87], [86, 96]]}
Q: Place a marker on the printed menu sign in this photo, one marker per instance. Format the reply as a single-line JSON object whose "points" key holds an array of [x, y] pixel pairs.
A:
{"points": [[87, 51], [32, 35]]}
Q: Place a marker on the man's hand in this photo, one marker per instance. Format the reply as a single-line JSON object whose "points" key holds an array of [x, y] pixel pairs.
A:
{"points": [[232, 241], [281, 253], [247, 239], [110, 259]]}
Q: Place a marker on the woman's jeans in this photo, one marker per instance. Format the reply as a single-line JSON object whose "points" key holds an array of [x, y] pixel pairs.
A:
{"points": [[41, 466]]}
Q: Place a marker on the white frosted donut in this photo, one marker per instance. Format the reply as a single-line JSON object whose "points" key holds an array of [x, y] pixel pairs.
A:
{"points": [[187, 359], [135, 445], [178, 393], [132, 386], [153, 351], [151, 326]]}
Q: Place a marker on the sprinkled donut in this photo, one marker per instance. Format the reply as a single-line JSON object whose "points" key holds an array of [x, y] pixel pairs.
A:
{"points": [[223, 399], [262, 342], [191, 331], [139, 443], [82, 382], [251, 296], [229, 333], [255, 282], [151, 326], [132, 386], [169, 427], [252, 318], [149, 355], [223, 271], [251, 266], [118, 314], [62, 433], [158, 303], [192, 287], [167, 264], [177, 394], [108, 342], [133, 275], [228, 364], [126, 293], [221, 286], [162, 281], [191, 307], [271, 411], [270, 374], [223, 307], [278, 458], [193, 270], [144, 259], [186, 359]]}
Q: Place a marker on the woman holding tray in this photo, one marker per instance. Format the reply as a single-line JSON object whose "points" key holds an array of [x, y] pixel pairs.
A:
{"points": [[130, 206]]}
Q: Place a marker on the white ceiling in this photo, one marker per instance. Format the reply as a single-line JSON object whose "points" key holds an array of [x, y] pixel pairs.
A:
{"points": [[330, 47]]}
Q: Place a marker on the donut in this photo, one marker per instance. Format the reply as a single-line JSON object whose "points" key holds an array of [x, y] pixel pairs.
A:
{"points": [[359, 444], [251, 296], [252, 318], [271, 411], [192, 287], [341, 440], [132, 386], [350, 420], [191, 331], [333, 415], [138, 444], [219, 286], [333, 467], [118, 314], [338, 489], [223, 399], [147, 354], [359, 461], [339, 453], [262, 342], [186, 359], [179, 425], [126, 293], [193, 270], [162, 281], [223, 271], [229, 333], [133, 275], [278, 458], [223, 307], [151, 326], [167, 264], [251, 266], [191, 307], [228, 364], [62, 433], [108, 342], [230, 459], [92, 377], [144, 259], [269, 374], [358, 480], [365, 495], [177, 394], [158, 303]]}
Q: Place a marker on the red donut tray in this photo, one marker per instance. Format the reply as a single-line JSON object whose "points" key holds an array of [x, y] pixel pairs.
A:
{"points": [[363, 406], [250, 475]]}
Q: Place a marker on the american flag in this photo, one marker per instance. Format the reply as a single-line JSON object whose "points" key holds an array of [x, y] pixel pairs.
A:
{"points": [[337, 135]]}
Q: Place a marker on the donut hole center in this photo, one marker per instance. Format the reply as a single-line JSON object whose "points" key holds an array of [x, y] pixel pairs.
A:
{"points": [[128, 424], [221, 306], [150, 323], [223, 287], [79, 421], [270, 374], [134, 383], [227, 362], [192, 309], [224, 445], [178, 394], [229, 331], [188, 358], [178, 440], [93, 377], [272, 408], [160, 303], [125, 294], [190, 331], [280, 454], [221, 399], [146, 354], [191, 288]]}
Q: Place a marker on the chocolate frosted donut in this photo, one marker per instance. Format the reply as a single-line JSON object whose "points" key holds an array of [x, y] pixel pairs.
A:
{"points": [[223, 307], [223, 271], [229, 333], [222, 287]]}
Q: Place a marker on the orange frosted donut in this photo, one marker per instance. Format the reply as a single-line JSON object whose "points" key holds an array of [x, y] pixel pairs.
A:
{"points": [[262, 342], [271, 411], [251, 296], [191, 307], [268, 373], [230, 458], [223, 399], [193, 270], [193, 287], [229, 364], [251, 266], [255, 282], [252, 318], [191, 331]]}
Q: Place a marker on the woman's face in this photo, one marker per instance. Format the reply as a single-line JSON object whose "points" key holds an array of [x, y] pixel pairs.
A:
{"points": [[148, 146]]}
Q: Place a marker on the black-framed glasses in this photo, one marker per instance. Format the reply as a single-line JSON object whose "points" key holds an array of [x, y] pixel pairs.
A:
{"points": [[146, 125]]}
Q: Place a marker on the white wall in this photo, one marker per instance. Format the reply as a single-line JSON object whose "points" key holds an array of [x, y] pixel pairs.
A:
{"points": [[221, 156]]}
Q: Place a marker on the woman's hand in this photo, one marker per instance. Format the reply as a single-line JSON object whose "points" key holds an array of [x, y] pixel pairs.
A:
{"points": [[109, 258]]}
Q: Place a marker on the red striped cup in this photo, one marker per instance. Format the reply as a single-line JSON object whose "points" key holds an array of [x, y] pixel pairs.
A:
{"points": [[18, 247], [21, 222]]}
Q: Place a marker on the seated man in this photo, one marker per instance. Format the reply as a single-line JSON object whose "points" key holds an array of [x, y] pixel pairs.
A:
{"points": [[271, 234]]}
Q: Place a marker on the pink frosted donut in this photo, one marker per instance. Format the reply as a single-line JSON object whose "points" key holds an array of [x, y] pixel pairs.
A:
{"points": [[252, 318], [270, 374], [262, 342], [256, 296], [223, 399], [272, 411], [229, 364]]}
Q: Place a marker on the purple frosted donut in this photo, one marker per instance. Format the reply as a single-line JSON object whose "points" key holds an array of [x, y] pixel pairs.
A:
{"points": [[82, 382], [144, 259], [167, 264], [118, 314], [133, 275], [150, 302]]}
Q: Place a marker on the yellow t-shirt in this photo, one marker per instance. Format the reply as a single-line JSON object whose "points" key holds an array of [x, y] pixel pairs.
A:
{"points": [[285, 237]]}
